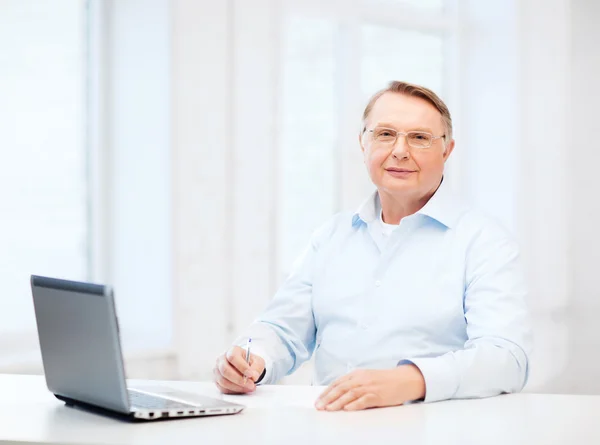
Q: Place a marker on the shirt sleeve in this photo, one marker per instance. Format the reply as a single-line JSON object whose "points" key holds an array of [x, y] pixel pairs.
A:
{"points": [[284, 334], [494, 359]]}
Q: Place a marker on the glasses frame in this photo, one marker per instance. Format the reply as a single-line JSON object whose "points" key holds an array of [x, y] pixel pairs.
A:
{"points": [[405, 135]]}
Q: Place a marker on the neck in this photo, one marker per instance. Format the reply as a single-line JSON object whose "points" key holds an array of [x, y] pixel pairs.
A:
{"points": [[395, 207]]}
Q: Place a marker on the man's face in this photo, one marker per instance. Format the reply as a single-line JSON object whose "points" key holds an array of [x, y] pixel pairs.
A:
{"points": [[390, 169]]}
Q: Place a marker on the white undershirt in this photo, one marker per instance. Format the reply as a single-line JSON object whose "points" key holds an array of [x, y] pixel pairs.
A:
{"points": [[386, 229]]}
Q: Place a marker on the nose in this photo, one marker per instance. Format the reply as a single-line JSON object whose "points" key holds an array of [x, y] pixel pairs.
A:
{"points": [[401, 148]]}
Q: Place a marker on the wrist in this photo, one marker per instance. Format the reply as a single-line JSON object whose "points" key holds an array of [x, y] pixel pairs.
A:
{"points": [[413, 382]]}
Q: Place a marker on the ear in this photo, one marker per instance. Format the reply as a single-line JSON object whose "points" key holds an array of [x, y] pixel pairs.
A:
{"points": [[448, 150], [360, 141]]}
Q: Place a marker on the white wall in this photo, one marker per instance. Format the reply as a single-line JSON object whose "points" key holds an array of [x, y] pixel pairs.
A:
{"points": [[543, 188], [224, 190], [559, 208], [201, 172], [581, 159]]}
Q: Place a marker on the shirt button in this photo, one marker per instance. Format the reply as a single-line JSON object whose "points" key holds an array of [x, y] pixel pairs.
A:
{"points": [[363, 326], [377, 283]]}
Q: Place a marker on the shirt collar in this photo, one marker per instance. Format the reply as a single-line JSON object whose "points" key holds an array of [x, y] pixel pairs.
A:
{"points": [[367, 212], [443, 207]]}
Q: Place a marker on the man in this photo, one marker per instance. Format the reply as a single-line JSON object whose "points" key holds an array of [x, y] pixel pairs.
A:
{"points": [[414, 297]]}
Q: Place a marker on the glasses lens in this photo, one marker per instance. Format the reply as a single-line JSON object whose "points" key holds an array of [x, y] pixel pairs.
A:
{"points": [[384, 136], [419, 139]]}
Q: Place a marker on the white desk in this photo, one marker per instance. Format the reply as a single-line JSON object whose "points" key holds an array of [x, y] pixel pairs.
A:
{"points": [[285, 415]]}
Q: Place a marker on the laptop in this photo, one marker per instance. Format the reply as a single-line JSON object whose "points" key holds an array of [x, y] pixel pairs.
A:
{"points": [[81, 352]]}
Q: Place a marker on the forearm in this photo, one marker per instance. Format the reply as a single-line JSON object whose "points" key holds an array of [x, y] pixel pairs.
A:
{"points": [[484, 368]]}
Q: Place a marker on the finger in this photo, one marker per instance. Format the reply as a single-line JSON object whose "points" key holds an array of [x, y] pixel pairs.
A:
{"points": [[236, 356], [246, 386], [221, 381], [333, 395], [336, 383], [346, 398], [364, 402], [330, 388], [224, 390], [229, 391], [257, 366], [226, 384], [230, 373]]}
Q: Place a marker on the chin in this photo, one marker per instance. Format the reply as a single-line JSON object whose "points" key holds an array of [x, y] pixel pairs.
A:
{"points": [[399, 185]]}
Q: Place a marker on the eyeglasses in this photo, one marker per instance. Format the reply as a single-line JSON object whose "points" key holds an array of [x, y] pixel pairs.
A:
{"points": [[387, 137]]}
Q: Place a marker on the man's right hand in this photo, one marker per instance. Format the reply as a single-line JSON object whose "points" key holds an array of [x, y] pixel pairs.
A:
{"points": [[233, 375]]}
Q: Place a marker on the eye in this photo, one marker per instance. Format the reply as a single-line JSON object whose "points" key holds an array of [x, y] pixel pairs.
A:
{"points": [[419, 137], [384, 134]]}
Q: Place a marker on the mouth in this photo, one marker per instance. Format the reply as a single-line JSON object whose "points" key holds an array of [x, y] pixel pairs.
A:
{"points": [[400, 172]]}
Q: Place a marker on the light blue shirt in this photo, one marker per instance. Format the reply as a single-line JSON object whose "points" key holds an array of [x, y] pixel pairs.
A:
{"points": [[444, 291]]}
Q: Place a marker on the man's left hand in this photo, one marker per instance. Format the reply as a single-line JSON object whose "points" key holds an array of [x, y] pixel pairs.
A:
{"points": [[365, 388]]}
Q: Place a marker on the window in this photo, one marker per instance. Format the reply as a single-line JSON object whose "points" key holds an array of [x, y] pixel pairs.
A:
{"points": [[307, 161], [84, 99], [43, 187]]}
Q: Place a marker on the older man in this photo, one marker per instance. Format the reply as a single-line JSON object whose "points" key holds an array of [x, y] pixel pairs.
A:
{"points": [[416, 296]]}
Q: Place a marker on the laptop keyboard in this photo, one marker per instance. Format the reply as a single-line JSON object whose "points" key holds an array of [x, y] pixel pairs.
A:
{"points": [[146, 401]]}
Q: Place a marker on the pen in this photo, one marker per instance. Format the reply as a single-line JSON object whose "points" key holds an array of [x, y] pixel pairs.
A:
{"points": [[248, 344]]}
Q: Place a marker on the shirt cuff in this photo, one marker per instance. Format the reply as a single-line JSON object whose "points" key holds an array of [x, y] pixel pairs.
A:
{"points": [[441, 382], [261, 377]]}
